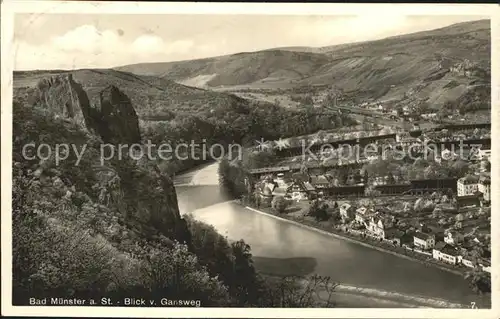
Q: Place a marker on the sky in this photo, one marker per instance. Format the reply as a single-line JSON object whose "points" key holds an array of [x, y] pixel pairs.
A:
{"points": [[74, 41]]}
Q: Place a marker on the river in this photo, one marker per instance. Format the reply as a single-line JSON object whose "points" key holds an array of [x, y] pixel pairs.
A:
{"points": [[345, 262]]}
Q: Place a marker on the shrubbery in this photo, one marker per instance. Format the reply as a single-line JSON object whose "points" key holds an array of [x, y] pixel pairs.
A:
{"points": [[280, 204], [319, 210], [90, 231]]}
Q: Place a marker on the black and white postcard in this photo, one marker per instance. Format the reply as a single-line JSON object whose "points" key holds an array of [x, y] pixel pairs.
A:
{"points": [[249, 160]]}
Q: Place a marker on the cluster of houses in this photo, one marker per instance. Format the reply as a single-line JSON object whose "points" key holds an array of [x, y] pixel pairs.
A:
{"points": [[381, 225], [297, 188], [302, 186], [445, 135], [452, 249], [467, 69]]}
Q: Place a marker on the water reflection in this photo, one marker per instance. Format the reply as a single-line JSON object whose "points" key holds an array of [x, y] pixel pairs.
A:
{"points": [[343, 261]]}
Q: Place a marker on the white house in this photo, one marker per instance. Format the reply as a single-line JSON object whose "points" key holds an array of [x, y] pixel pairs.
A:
{"points": [[467, 185], [378, 226], [424, 241], [468, 263], [446, 253]]}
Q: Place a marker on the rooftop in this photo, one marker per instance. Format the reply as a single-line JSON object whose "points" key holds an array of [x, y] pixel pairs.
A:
{"points": [[485, 180], [449, 250], [319, 179], [423, 236], [308, 186], [364, 211], [346, 206], [270, 169], [439, 245], [469, 179]]}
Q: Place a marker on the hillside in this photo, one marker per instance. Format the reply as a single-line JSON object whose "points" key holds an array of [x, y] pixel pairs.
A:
{"points": [[383, 69], [237, 69], [151, 95], [168, 111]]}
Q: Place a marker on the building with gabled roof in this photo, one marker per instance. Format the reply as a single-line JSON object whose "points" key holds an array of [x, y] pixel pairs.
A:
{"points": [[453, 237], [362, 214], [484, 187], [446, 253], [378, 225], [320, 181], [467, 185], [424, 240], [300, 190]]}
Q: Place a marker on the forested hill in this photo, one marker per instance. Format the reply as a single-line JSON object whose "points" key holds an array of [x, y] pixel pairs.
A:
{"points": [[83, 228]]}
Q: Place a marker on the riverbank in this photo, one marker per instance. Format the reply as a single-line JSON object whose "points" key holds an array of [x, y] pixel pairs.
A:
{"points": [[341, 295], [353, 239]]}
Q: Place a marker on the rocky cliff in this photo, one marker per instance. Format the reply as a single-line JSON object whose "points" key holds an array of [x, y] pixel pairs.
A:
{"points": [[63, 96], [146, 196], [113, 117]]}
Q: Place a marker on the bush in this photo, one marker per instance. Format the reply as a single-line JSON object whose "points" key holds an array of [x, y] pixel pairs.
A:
{"points": [[319, 210], [480, 281], [280, 204], [232, 179]]}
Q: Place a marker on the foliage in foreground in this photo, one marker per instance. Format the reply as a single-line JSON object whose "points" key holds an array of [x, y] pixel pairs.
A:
{"points": [[89, 232]]}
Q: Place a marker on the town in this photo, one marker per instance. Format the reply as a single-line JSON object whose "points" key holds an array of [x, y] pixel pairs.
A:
{"points": [[433, 207], [313, 159]]}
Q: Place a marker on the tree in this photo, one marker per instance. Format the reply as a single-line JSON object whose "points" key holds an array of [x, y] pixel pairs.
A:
{"points": [[231, 179], [459, 168], [480, 281], [318, 210], [423, 205], [259, 159], [280, 204]]}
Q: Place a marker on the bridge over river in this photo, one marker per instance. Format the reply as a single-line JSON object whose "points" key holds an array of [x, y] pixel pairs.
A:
{"points": [[369, 278]]}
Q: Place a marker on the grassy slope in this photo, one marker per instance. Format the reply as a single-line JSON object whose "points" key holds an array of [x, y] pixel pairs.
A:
{"points": [[237, 69], [383, 69]]}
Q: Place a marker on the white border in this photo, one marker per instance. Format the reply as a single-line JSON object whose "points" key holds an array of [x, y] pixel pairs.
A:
{"points": [[11, 7]]}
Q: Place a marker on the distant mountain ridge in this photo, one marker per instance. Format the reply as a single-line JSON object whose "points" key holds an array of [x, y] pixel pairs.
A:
{"points": [[384, 69]]}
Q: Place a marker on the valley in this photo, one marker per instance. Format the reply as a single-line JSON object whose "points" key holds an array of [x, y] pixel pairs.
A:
{"points": [[275, 211]]}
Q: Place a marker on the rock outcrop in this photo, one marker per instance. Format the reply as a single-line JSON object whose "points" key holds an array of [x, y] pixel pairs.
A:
{"points": [[113, 117], [63, 96], [148, 196]]}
